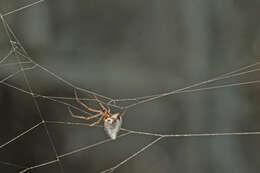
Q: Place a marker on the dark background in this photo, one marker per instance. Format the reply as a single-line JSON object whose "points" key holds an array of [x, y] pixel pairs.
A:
{"points": [[131, 48]]}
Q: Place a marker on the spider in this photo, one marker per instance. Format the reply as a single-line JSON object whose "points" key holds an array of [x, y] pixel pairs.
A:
{"points": [[112, 122]]}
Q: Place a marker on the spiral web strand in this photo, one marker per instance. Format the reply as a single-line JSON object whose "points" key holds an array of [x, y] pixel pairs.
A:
{"points": [[18, 51]]}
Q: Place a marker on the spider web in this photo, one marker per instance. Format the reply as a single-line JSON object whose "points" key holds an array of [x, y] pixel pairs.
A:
{"points": [[20, 64]]}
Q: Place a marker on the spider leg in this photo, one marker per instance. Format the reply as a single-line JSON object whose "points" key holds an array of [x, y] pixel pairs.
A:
{"points": [[83, 104], [100, 104], [97, 122], [82, 117]]}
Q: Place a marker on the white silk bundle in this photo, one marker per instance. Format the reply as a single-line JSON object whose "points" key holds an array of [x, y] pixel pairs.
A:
{"points": [[112, 125]]}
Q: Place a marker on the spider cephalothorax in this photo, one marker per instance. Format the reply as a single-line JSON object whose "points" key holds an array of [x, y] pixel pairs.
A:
{"points": [[112, 122]]}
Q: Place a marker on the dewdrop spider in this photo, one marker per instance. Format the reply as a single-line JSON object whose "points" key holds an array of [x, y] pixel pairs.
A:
{"points": [[112, 122]]}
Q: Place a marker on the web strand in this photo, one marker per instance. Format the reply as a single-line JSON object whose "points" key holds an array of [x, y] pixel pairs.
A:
{"points": [[110, 170], [22, 8], [221, 77], [164, 135], [73, 152], [20, 135], [46, 97], [54, 98], [17, 72], [11, 34], [7, 56], [110, 101], [63, 80]]}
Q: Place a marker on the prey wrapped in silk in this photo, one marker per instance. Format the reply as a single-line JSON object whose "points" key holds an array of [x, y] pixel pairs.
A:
{"points": [[112, 125]]}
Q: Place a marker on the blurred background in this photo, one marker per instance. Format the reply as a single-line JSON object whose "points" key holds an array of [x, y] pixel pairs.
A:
{"points": [[124, 49]]}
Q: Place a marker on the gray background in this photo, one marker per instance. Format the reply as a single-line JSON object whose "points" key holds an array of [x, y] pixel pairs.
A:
{"points": [[135, 48]]}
